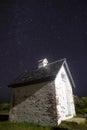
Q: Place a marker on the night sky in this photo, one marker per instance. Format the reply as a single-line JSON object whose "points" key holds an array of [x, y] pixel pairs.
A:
{"points": [[34, 29]]}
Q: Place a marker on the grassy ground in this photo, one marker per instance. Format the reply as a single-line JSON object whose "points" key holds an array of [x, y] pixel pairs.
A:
{"points": [[74, 125], [27, 126]]}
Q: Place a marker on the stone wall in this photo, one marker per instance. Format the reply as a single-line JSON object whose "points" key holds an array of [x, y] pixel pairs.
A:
{"points": [[34, 103]]}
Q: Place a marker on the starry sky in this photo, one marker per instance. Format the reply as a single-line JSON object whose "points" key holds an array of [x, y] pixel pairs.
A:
{"points": [[34, 29]]}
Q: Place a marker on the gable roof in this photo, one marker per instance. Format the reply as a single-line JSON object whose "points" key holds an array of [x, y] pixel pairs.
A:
{"points": [[42, 74]]}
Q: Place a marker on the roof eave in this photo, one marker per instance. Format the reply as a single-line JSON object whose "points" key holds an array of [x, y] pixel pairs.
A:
{"points": [[69, 74], [14, 85]]}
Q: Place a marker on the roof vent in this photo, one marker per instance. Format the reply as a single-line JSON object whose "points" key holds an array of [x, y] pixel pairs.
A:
{"points": [[42, 63]]}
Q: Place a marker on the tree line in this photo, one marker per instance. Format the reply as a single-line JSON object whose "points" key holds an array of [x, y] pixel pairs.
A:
{"points": [[81, 105], [4, 107]]}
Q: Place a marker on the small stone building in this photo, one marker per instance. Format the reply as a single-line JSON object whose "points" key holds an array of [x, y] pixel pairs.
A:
{"points": [[43, 95]]}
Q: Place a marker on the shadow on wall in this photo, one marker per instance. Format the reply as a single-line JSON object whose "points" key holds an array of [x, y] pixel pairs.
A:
{"points": [[24, 92]]}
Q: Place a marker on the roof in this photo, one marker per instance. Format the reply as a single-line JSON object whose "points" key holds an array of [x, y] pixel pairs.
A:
{"points": [[41, 74]]}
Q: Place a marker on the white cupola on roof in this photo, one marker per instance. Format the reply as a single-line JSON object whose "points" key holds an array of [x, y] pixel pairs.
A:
{"points": [[42, 63]]}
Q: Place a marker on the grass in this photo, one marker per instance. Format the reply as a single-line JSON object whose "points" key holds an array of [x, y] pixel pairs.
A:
{"points": [[29, 126], [26, 126], [21, 126], [74, 125]]}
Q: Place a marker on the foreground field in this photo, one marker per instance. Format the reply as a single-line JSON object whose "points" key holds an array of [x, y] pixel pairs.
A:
{"points": [[74, 125], [27, 126]]}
